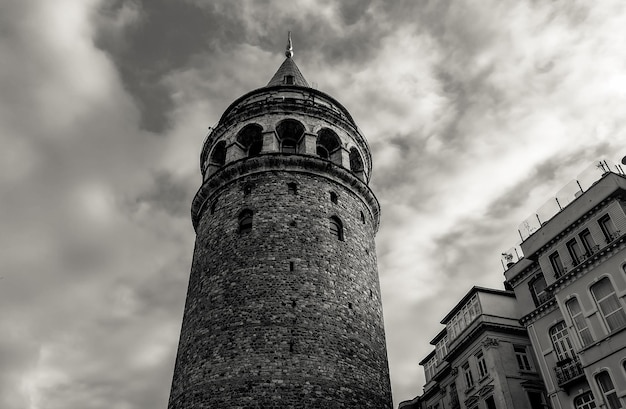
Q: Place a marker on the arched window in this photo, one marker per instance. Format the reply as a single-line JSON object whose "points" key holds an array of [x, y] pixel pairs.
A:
{"points": [[218, 155], [245, 221], [560, 342], [328, 145], [608, 390], [608, 304], [290, 133], [584, 401], [336, 228], [580, 323], [356, 163], [251, 139]]}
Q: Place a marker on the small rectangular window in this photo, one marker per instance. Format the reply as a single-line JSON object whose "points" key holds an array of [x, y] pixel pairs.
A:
{"points": [[557, 265], [289, 79], [587, 240], [607, 227], [574, 251], [467, 374], [292, 188], [482, 365], [523, 363]]}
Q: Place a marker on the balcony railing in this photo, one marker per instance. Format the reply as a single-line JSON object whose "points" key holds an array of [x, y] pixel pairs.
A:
{"points": [[568, 372]]}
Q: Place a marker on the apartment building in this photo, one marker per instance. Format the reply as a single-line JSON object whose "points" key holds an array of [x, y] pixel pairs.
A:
{"points": [[570, 285], [481, 359]]}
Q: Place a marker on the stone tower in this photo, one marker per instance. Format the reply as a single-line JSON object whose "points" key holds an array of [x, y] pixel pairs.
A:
{"points": [[283, 308]]}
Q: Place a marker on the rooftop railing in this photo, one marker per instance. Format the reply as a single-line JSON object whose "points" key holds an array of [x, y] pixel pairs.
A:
{"points": [[567, 195], [556, 204]]}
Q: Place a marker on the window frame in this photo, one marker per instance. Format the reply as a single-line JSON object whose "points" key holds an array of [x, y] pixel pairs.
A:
{"points": [[585, 404], [336, 228], [575, 251], [605, 298], [609, 396], [557, 264], [523, 360], [245, 221], [607, 227], [578, 319], [537, 296], [587, 240], [467, 375], [481, 364], [561, 345]]}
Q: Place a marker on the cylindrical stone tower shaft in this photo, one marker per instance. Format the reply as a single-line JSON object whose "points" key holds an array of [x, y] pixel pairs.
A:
{"points": [[283, 308]]}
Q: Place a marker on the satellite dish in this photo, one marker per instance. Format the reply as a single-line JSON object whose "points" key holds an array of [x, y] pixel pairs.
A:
{"points": [[624, 160]]}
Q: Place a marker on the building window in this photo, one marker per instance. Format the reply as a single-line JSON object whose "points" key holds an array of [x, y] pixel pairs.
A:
{"points": [[557, 265], [362, 218], [218, 155], [251, 139], [580, 323], [609, 305], [464, 317], [467, 374], [521, 355], [536, 400], [454, 396], [538, 290], [560, 342], [289, 79], [575, 252], [608, 390], [289, 132], [336, 228], [491, 404], [482, 365], [588, 243], [442, 348], [607, 227], [584, 401], [429, 369], [333, 197], [292, 188], [245, 221], [328, 145], [247, 189]]}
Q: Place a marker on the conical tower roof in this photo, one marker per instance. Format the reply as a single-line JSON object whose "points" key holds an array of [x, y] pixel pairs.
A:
{"points": [[288, 73]]}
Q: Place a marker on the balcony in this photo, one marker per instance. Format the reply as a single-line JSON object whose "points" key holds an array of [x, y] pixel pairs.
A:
{"points": [[569, 372]]}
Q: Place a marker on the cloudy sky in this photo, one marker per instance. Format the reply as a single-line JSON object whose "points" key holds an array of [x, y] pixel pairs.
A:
{"points": [[476, 111]]}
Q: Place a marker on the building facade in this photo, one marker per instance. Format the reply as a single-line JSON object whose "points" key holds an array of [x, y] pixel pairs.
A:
{"points": [[481, 359], [571, 289], [283, 308]]}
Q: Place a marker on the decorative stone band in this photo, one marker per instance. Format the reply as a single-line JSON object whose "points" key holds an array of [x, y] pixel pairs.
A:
{"points": [[286, 162]]}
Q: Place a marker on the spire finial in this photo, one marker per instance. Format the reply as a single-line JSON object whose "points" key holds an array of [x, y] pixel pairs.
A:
{"points": [[289, 51]]}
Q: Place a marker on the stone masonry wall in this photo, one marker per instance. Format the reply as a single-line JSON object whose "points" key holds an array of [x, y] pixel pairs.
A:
{"points": [[286, 315]]}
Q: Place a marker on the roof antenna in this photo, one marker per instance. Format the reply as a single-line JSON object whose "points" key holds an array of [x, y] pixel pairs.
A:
{"points": [[289, 51]]}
